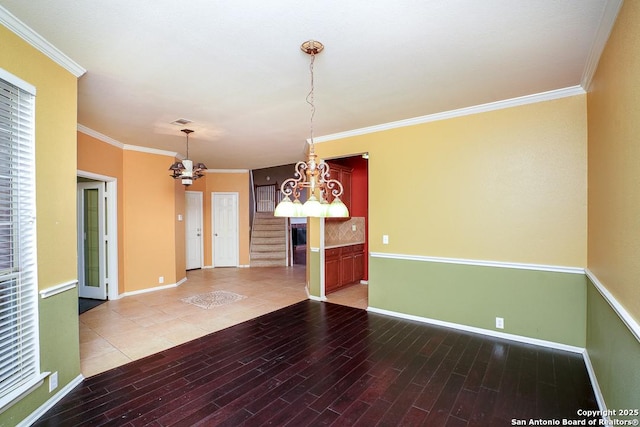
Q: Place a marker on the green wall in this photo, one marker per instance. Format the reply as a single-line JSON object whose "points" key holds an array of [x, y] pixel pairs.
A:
{"points": [[313, 270], [59, 344], [614, 353], [543, 305]]}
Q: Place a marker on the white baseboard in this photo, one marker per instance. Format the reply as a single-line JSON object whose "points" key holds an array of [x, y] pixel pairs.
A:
{"points": [[157, 288], [596, 388], [512, 337], [33, 417]]}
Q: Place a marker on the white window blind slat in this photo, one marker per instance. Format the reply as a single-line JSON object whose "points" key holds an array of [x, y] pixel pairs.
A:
{"points": [[19, 352]]}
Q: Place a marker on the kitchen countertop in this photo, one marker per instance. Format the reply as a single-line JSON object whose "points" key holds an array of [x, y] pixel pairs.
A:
{"points": [[340, 245]]}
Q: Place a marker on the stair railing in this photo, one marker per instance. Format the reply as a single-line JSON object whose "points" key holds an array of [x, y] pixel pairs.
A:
{"points": [[267, 197]]}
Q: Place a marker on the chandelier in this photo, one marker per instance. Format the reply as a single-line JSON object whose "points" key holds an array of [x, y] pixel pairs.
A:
{"points": [[312, 175], [186, 170]]}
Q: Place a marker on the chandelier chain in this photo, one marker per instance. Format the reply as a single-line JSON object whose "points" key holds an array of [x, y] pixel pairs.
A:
{"points": [[310, 98]]}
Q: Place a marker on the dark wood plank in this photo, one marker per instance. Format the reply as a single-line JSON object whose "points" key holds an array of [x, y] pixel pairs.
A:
{"points": [[323, 364]]}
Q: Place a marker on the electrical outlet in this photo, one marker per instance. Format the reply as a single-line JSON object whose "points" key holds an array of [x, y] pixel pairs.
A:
{"points": [[353, 227], [161, 279], [385, 239], [499, 323], [53, 381]]}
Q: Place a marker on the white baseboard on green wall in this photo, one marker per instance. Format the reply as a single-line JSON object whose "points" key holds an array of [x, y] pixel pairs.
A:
{"points": [[512, 337], [596, 387], [33, 417]]}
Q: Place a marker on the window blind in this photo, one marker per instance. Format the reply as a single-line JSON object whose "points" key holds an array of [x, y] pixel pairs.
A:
{"points": [[19, 352]]}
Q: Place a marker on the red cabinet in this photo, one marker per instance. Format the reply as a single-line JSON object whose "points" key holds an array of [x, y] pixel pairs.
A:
{"points": [[342, 174], [343, 266], [331, 269]]}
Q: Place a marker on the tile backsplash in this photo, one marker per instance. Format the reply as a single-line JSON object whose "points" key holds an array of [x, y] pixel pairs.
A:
{"points": [[342, 232]]}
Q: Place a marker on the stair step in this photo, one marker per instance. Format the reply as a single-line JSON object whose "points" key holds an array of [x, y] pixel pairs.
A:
{"points": [[277, 250], [263, 227], [268, 247], [271, 219], [267, 255], [269, 233], [268, 263], [267, 240]]}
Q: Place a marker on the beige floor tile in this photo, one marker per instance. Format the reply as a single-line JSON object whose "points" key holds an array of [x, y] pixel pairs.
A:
{"points": [[87, 334], [119, 331], [94, 365], [146, 347]]}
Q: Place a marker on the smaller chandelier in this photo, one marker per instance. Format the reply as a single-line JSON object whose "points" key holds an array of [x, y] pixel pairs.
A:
{"points": [[312, 175], [186, 170]]}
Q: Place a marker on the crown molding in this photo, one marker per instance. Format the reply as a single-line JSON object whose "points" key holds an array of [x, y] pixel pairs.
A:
{"points": [[227, 171], [104, 138], [148, 150], [492, 106], [608, 19], [37, 41]]}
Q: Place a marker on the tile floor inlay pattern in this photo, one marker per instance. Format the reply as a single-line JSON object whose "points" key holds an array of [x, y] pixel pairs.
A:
{"points": [[137, 326], [213, 299]]}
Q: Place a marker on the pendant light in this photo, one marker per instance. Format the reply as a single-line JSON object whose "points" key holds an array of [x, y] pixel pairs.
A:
{"points": [[312, 175], [186, 170]]}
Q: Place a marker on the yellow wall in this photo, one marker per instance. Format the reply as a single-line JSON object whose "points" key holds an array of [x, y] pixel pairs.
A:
{"points": [[56, 116], [507, 185], [150, 238], [98, 157], [614, 162], [227, 182], [149, 221], [55, 174]]}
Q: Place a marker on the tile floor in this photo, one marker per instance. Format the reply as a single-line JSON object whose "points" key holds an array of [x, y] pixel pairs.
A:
{"points": [[133, 327]]}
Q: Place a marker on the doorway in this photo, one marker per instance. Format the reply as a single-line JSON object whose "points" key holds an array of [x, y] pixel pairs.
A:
{"points": [[224, 208], [97, 236], [193, 230], [92, 273]]}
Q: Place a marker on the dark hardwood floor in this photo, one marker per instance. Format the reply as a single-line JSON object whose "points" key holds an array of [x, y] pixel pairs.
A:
{"points": [[324, 364]]}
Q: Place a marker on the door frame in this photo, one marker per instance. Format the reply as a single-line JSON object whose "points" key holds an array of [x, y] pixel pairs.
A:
{"points": [[213, 228], [111, 206], [200, 225], [84, 289]]}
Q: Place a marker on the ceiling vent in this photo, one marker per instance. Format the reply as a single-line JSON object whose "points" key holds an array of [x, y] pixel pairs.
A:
{"points": [[181, 122]]}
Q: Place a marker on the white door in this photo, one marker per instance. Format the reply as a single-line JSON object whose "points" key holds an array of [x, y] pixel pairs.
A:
{"points": [[224, 207], [92, 281], [193, 229]]}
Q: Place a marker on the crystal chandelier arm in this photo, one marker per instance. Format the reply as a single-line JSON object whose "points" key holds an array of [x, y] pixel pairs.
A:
{"points": [[334, 187], [292, 186]]}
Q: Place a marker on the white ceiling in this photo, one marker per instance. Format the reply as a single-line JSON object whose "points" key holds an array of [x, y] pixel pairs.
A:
{"points": [[235, 67]]}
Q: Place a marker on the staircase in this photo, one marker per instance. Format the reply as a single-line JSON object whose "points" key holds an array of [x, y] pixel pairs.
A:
{"points": [[268, 240]]}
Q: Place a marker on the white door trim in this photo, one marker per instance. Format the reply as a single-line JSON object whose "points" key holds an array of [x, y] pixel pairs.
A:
{"points": [[112, 229], [86, 290]]}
